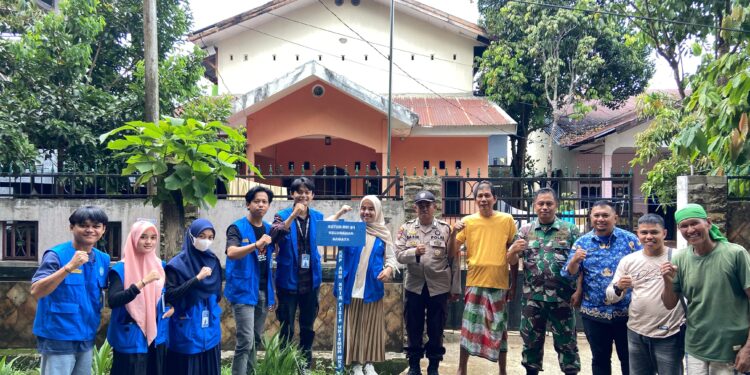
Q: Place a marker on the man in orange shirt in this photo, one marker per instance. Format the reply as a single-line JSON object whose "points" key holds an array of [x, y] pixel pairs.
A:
{"points": [[487, 235]]}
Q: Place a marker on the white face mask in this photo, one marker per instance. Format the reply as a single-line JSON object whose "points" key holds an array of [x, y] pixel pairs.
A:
{"points": [[202, 244]]}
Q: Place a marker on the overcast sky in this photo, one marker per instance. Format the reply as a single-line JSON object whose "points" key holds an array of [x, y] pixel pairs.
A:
{"points": [[207, 12]]}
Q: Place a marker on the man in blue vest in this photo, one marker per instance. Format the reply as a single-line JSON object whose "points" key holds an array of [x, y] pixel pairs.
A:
{"points": [[68, 286], [298, 268], [249, 284]]}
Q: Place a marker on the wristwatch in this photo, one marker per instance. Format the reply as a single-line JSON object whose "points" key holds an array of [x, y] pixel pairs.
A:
{"points": [[618, 291]]}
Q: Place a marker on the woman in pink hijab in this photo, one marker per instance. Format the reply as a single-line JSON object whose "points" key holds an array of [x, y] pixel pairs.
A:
{"points": [[138, 327]]}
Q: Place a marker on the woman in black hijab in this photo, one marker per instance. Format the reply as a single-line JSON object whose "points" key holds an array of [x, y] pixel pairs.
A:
{"points": [[194, 289]]}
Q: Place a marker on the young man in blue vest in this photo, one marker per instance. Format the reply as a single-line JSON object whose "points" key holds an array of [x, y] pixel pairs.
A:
{"points": [[249, 284], [68, 286], [298, 268]]}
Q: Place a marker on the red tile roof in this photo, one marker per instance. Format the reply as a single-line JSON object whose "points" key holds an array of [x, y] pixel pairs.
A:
{"points": [[453, 111]]}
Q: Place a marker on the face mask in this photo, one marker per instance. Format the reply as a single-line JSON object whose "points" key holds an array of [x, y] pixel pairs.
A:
{"points": [[202, 244]]}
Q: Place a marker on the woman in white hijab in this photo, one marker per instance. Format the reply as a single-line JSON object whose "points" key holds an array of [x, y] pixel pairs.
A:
{"points": [[365, 270]]}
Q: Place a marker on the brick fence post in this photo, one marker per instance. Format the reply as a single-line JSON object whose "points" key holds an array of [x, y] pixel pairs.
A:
{"points": [[415, 184], [708, 191]]}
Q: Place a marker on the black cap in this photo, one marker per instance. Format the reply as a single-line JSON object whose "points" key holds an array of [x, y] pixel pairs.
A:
{"points": [[424, 196]]}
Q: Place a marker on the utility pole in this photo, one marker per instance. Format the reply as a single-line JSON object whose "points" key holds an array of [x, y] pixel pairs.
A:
{"points": [[151, 61], [390, 89]]}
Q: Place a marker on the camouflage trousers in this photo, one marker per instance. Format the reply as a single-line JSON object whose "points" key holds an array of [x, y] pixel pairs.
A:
{"points": [[534, 318]]}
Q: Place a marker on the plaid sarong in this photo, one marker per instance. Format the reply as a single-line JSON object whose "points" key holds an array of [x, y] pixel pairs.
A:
{"points": [[484, 326]]}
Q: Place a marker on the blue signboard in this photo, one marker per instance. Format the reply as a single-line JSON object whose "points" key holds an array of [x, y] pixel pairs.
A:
{"points": [[340, 233]]}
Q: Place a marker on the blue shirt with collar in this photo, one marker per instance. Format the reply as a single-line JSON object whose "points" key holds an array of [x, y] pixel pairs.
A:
{"points": [[602, 256]]}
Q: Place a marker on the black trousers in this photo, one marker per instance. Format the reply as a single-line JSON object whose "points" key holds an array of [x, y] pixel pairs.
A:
{"points": [[140, 363], [288, 302], [436, 308], [600, 336]]}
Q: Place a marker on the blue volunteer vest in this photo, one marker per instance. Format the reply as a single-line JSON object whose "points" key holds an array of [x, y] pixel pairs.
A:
{"points": [[72, 312], [374, 289], [124, 334], [243, 275], [186, 332], [287, 260]]}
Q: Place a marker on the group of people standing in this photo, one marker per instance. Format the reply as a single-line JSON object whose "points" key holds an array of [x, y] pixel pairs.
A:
{"points": [[654, 303]]}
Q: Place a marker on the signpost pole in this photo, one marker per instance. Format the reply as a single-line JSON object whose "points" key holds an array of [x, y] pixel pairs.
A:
{"points": [[340, 312]]}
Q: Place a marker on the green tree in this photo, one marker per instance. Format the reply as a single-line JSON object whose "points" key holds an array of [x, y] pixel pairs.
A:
{"points": [[722, 98], [546, 62], [184, 159], [670, 40], [707, 132], [73, 74]]}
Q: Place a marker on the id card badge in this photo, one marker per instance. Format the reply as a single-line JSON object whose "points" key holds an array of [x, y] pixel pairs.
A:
{"points": [[204, 319], [305, 261]]}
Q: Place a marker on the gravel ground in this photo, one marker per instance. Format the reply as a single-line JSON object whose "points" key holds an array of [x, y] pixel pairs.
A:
{"points": [[483, 367], [515, 345]]}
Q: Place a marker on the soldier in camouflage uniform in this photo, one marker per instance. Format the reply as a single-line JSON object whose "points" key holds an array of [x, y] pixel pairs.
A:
{"points": [[542, 245]]}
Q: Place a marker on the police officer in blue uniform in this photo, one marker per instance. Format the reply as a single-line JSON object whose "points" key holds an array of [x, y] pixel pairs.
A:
{"points": [[68, 286]]}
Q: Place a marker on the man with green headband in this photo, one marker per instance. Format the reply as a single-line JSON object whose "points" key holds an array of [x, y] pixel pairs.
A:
{"points": [[714, 276]]}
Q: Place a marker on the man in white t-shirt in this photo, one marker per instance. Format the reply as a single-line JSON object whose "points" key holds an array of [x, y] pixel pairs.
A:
{"points": [[656, 335]]}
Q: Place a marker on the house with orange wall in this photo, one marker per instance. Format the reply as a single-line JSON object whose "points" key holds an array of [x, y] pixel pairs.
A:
{"points": [[311, 82]]}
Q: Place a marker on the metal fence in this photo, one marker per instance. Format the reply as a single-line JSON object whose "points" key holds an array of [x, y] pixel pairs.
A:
{"points": [[327, 186], [95, 185], [515, 196], [69, 185]]}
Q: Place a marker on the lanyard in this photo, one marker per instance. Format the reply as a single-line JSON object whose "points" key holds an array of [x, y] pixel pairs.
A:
{"points": [[307, 228]]}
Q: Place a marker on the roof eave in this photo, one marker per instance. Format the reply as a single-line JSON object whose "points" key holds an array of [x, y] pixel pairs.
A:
{"points": [[308, 72]]}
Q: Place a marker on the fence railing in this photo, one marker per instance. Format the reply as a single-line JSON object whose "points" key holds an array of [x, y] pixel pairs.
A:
{"points": [[94, 185], [515, 196], [70, 185], [577, 194], [327, 187]]}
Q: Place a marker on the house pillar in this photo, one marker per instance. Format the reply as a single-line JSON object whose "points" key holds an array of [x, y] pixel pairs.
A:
{"points": [[250, 155], [607, 172]]}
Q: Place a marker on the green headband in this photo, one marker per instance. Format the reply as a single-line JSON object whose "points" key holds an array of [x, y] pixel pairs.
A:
{"points": [[696, 211]]}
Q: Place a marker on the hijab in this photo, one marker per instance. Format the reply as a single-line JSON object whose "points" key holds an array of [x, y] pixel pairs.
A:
{"points": [[189, 262], [138, 264], [377, 228]]}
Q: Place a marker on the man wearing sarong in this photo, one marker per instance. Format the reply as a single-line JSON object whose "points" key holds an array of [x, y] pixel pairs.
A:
{"points": [[487, 235]]}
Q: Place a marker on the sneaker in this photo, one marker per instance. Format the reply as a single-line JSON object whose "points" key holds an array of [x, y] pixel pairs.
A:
{"points": [[357, 370], [370, 369]]}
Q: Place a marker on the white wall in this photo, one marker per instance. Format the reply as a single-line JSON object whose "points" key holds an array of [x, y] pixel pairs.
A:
{"points": [[537, 150], [371, 20], [52, 215], [625, 139]]}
